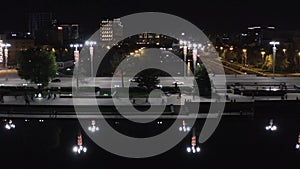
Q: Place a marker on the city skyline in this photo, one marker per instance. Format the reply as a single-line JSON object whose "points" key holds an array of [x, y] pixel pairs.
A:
{"points": [[211, 16]]}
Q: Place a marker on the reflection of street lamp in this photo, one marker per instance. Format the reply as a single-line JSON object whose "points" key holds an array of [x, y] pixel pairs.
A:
{"points": [[194, 148], [245, 56], [79, 147], [6, 45], [184, 127], [91, 43], [271, 126], [76, 59], [298, 143], [274, 43], [93, 127], [9, 125]]}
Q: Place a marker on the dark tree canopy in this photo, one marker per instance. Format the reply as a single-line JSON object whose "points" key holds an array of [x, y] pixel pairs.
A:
{"points": [[148, 79], [37, 65], [203, 80]]}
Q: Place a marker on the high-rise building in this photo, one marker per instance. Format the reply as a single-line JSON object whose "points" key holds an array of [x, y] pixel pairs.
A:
{"points": [[260, 35], [39, 21], [70, 32], [19, 42], [110, 30]]}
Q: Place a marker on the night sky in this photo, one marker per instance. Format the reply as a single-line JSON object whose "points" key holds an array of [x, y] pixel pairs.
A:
{"points": [[208, 15]]}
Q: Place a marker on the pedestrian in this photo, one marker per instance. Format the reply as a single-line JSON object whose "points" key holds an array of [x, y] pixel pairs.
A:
{"points": [[133, 101], [1, 98], [26, 100], [54, 96]]}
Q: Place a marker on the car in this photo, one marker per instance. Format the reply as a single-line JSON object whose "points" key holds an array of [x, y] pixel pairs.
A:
{"points": [[55, 80], [178, 82], [132, 80]]}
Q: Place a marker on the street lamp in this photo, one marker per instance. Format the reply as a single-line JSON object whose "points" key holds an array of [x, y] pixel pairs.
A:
{"points": [[284, 51], [76, 59], [185, 51], [274, 43], [6, 45], [91, 43], [245, 56], [76, 51], [195, 56], [299, 60], [263, 55]]}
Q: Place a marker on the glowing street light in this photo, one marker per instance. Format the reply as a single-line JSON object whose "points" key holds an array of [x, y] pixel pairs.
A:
{"points": [[91, 43], [299, 60], [76, 51], [93, 127], [274, 43], [79, 147], [76, 59], [194, 148], [5, 45], [298, 143], [184, 127], [9, 125], [185, 51], [271, 126], [263, 55], [245, 56]]}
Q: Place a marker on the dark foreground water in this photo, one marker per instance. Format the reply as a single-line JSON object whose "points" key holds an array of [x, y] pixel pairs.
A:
{"points": [[239, 142]]}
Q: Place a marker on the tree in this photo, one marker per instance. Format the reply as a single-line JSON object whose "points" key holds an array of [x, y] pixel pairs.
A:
{"points": [[203, 80], [148, 79], [37, 65]]}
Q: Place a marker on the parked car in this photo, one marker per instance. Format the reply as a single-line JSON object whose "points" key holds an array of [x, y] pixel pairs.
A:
{"points": [[178, 82], [55, 80]]}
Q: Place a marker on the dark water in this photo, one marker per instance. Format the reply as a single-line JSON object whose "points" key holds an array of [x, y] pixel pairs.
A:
{"points": [[239, 142]]}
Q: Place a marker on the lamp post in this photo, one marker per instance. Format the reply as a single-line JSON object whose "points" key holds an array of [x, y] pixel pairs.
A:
{"points": [[245, 56], [263, 55], [274, 43], [185, 50], [195, 53], [91, 43], [6, 45], [76, 59], [299, 61]]}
